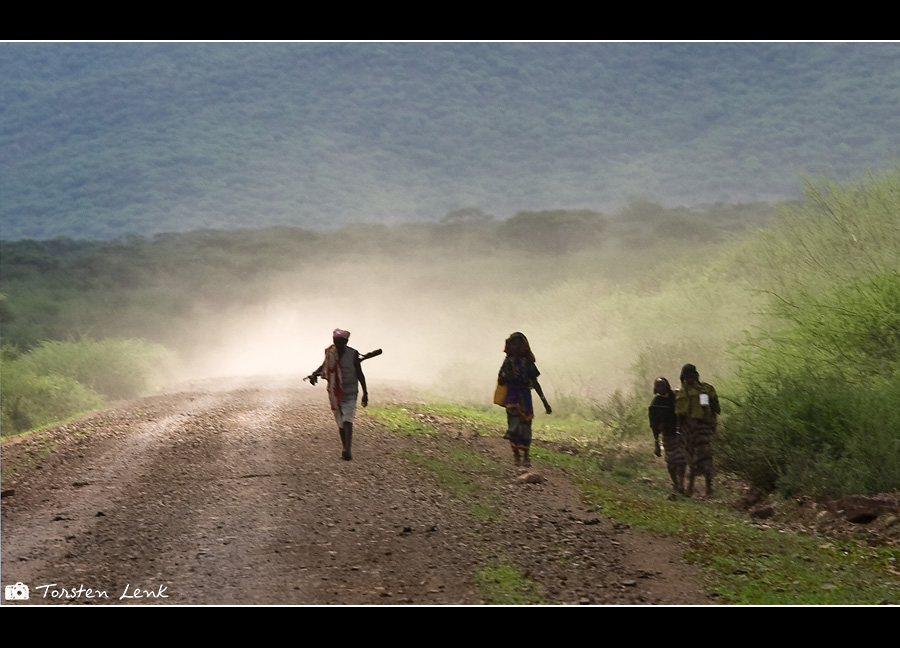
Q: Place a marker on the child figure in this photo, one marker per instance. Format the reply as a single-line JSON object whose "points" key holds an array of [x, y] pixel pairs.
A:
{"points": [[663, 423]]}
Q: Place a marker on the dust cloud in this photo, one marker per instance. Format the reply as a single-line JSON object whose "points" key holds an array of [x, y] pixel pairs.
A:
{"points": [[441, 326], [441, 319]]}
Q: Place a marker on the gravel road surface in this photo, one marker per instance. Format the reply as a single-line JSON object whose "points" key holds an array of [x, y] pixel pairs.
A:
{"points": [[236, 495]]}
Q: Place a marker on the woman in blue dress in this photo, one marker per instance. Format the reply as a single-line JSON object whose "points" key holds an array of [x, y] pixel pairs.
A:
{"points": [[519, 375]]}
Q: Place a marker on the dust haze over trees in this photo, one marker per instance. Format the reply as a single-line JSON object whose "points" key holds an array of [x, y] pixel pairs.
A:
{"points": [[440, 297]]}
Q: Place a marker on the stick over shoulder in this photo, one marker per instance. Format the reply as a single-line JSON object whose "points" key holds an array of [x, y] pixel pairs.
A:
{"points": [[364, 356]]}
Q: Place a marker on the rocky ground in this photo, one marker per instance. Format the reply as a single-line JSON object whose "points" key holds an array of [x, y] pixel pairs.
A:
{"points": [[237, 495]]}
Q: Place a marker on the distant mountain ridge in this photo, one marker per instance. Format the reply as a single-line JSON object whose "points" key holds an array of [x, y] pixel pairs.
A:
{"points": [[99, 140]]}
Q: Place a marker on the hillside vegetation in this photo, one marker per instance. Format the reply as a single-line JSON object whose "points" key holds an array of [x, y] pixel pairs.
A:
{"points": [[102, 140], [795, 317], [817, 382], [419, 289]]}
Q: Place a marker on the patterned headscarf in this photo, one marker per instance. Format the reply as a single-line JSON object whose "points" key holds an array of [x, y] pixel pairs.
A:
{"points": [[527, 347]]}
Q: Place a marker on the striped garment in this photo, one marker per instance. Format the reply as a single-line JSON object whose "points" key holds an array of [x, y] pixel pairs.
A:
{"points": [[697, 444], [697, 407]]}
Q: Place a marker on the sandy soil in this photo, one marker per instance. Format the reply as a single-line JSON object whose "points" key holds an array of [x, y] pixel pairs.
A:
{"points": [[237, 495]]}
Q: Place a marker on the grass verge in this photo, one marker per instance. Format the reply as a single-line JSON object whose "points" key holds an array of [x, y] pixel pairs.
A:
{"points": [[456, 472], [746, 563], [504, 584]]}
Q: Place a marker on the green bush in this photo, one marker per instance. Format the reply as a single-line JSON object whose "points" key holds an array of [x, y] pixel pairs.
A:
{"points": [[30, 400], [58, 380], [115, 368], [853, 326], [805, 433], [820, 383]]}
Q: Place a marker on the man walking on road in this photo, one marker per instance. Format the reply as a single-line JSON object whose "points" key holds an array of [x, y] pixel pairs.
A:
{"points": [[343, 371]]}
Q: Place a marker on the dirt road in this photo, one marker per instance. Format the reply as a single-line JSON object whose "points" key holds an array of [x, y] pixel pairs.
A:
{"points": [[239, 496]]}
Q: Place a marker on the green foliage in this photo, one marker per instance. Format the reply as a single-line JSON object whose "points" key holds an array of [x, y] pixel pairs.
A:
{"points": [[625, 416], [818, 385], [115, 368], [852, 329], [642, 224], [504, 584], [32, 400], [823, 436], [839, 232], [58, 380]]}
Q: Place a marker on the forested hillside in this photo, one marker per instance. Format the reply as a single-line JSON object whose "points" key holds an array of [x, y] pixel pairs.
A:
{"points": [[100, 140]]}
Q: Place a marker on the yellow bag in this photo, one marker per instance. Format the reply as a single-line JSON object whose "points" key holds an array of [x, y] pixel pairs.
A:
{"points": [[500, 395]]}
